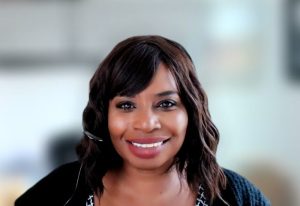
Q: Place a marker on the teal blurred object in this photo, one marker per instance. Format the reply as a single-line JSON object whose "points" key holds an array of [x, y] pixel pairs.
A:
{"points": [[293, 38]]}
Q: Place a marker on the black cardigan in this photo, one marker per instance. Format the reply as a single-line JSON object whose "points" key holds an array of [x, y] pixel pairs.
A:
{"points": [[58, 187]]}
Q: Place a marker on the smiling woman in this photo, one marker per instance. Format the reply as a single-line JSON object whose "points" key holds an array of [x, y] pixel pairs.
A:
{"points": [[147, 131]]}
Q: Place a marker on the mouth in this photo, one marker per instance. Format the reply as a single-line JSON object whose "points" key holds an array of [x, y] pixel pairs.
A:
{"points": [[145, 147], [147, 143]]}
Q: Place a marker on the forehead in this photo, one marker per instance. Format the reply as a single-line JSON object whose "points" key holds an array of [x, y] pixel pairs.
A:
{"points": [[162, 80], [162, 84]]}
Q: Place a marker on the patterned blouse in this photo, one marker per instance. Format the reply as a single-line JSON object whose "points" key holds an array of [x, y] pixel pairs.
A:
{"points": [[200, 201]]}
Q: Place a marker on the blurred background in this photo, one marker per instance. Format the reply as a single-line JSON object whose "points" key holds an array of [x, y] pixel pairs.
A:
{"points": [[248, 58]]}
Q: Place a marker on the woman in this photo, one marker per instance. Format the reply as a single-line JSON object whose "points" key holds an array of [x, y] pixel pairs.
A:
{"points": [[148, 138]]}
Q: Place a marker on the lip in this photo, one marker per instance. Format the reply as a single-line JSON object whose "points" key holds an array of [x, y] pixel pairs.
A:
{"points": [[146, 152], [147, 140]]}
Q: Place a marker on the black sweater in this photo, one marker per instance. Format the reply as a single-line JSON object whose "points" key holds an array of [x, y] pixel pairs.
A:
{"points": [[59, 186]]}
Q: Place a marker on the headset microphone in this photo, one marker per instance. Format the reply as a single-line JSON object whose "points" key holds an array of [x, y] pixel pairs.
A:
{"points": [[92, 137]]}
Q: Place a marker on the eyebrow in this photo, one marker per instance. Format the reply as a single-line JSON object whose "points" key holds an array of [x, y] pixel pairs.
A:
{"points": [[160, 94], [166, 93]]}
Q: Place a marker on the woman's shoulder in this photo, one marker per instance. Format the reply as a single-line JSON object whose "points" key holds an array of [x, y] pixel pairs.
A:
{"points": [[54, 189], [243, 191]]}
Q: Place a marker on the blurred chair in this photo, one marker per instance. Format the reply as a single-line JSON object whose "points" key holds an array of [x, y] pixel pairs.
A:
{"points": [[62, 148]]}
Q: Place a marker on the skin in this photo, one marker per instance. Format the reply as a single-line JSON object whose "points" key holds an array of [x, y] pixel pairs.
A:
{"points": [[156, 113]]}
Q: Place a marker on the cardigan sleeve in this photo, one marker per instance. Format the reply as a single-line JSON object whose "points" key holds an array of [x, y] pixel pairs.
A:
{"points": [[244, 192]]}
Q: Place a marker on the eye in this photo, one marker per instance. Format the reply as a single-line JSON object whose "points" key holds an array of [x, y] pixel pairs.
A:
{"points": [[126, 106], [167, 104]]}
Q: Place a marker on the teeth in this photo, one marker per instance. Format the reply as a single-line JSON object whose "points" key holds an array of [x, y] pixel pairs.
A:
{"points": [[157, 144]]}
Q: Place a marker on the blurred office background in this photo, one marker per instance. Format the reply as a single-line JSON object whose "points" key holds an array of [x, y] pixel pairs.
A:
{"points": [[247, 54]]}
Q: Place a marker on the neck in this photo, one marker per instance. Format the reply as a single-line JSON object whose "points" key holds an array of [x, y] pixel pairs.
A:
{"points": [[135, 181], [136, 187]]}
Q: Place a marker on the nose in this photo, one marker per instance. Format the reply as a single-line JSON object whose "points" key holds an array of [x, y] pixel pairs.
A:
{"points": [[146, 121]]}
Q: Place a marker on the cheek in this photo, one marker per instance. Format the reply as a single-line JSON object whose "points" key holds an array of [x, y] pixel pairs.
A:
{"points": [[116, 126], [178, 122], [182, 122]]}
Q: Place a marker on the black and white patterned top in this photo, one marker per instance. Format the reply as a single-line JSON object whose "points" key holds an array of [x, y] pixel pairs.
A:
{"points": [[200, 201]]}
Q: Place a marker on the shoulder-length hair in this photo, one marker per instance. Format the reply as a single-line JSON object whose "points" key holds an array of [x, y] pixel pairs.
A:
{"points": [[127, 70]]}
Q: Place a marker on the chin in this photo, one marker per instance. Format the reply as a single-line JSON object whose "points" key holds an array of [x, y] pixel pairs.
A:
{"points": [[151, 164]]}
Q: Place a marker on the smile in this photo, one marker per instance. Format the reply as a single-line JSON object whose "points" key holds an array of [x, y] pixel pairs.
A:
{"points": [[145, 147], [157, 144], [147, 143]]}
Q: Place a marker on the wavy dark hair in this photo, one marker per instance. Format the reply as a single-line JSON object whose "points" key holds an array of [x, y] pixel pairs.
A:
{"points": [[127, 70]]}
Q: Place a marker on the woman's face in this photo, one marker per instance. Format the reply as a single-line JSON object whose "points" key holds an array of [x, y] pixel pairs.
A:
{"points": [[148, 129]]}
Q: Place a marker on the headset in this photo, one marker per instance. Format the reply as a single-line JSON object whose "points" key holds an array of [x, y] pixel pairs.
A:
{"points": [[92, 137]]}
